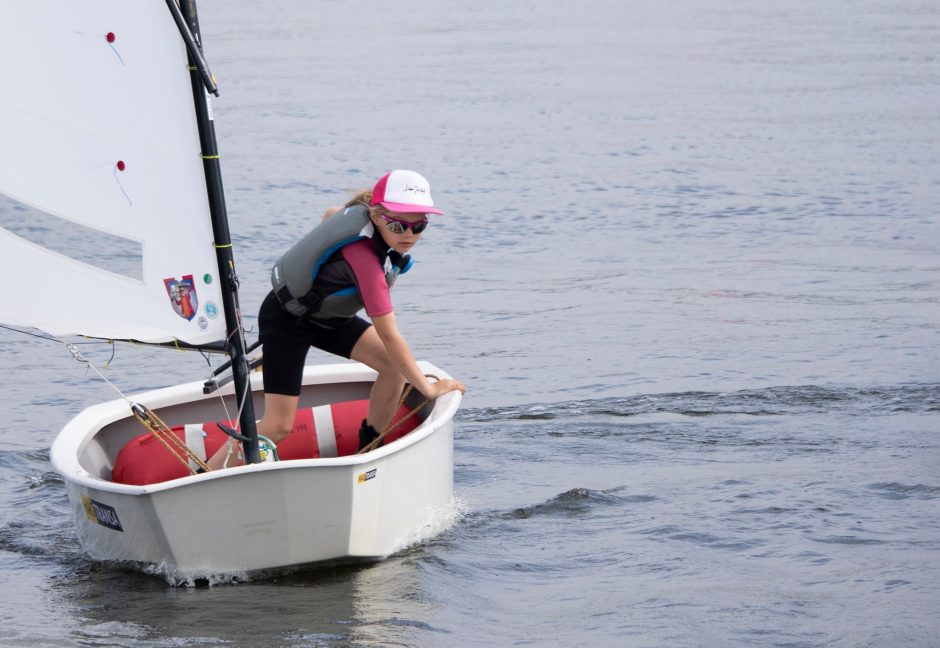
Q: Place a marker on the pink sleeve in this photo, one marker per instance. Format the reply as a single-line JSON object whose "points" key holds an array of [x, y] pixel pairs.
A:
{"points": [[370, 277]]}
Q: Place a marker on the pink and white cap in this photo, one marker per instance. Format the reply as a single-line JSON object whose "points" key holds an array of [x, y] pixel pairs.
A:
{"points": [[404, 192]]}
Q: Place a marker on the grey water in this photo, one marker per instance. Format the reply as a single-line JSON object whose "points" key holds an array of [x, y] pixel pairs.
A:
{"points": [[688, 271]]}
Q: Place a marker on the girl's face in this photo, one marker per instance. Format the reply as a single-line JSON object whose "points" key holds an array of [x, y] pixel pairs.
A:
{"points": [[398, 230]]}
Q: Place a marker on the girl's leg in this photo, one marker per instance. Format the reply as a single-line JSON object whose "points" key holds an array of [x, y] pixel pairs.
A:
{"points": [[278, 419], [285, 347], [388, 386], [279, 412]]}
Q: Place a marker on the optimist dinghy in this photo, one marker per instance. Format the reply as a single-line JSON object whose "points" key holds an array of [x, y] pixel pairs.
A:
{"points": [[110, 126], [264, 515]]}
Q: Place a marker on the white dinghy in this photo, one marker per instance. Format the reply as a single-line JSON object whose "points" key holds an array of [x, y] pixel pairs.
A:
{"points": [[264, 515], [109, 126]]}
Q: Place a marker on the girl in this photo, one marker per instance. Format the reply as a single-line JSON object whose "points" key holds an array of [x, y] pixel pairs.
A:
{"points": [[347, 263]]}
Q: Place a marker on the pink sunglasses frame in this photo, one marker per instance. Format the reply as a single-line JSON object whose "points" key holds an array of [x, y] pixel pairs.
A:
{"points": [[423, 224]]}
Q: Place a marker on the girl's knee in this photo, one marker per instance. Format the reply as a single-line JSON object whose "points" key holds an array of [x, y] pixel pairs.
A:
{"points": [[391, 375], [386, 368], [275, 429]]}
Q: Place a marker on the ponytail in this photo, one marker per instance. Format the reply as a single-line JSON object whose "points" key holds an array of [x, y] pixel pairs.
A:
{"points": [[364, 197]]}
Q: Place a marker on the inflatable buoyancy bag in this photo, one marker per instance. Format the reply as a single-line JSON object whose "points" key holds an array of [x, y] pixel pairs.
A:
{"points": [[323, 431]]}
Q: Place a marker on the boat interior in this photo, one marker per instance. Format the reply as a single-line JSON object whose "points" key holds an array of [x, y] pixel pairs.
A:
{"points": [[98, 454]]}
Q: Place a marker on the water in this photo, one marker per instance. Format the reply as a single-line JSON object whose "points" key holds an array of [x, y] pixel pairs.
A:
{"points": [[688, 272]]}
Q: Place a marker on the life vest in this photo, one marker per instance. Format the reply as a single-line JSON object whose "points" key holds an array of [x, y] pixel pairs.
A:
{"points": [[323, 431], [294, 275]]}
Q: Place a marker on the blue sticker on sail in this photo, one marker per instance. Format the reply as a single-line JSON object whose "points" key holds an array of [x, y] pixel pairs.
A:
{"points": [[182, 293], [103, 514], [212, 311]]}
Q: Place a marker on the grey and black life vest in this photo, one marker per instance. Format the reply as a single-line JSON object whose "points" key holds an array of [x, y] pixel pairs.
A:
{"points": [[294, 275]]}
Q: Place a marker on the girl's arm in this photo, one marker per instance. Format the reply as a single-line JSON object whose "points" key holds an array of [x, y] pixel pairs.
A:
{"points": [[398, 351]]}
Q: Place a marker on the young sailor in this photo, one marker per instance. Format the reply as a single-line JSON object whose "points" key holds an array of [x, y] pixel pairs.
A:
{"points": [[347, 263]]}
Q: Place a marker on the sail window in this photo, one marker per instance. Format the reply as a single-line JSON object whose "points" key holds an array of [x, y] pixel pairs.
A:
{"points": [[105, 251]]}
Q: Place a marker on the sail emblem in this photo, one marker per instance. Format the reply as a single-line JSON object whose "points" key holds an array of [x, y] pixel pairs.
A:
{"points": [[182, 293]]}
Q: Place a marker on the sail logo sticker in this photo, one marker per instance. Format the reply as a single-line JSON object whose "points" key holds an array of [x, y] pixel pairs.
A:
{"points": [[182, 293], [102, 514], [366, 476]]}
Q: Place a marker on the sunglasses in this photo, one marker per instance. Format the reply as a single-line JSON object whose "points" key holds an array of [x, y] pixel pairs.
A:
{"points": [[399, 226]]}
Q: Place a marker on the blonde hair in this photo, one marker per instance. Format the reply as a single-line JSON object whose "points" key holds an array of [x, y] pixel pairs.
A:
{"points": [[364, 197]]}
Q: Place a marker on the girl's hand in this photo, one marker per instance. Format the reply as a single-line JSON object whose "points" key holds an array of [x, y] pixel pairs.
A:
{"points": [[445, 386]]}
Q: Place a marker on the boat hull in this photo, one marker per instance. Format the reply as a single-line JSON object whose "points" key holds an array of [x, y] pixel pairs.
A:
{"points": [[265, 515]]}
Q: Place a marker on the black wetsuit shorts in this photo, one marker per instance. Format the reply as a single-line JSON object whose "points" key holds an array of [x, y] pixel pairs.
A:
{"points": [[286, 339]]}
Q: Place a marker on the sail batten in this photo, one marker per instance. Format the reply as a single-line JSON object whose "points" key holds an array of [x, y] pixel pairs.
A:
{"points": [[99, 129]]}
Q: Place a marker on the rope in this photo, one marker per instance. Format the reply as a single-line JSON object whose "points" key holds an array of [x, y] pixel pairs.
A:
{"points": [[174, 444], [393, 425], [246, 392], [50, 338], [151, 421], [78, 356]]}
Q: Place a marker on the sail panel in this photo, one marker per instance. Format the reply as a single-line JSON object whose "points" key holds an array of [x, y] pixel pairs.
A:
{"points": [[62, 296], [98, 127]]}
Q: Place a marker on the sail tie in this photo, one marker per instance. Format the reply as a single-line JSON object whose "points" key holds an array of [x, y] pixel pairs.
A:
{"points": [[120, 166], [110, 37]]}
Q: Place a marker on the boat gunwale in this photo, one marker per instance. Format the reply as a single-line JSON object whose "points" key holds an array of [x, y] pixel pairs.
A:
{"points": [[81, 430]]}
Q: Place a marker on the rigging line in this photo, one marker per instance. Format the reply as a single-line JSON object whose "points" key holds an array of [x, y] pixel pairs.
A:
{"points": [[245, 392], [78, 356], [238, 416], [236, 421], [113, 351], [245, 396], [208, 360], [239, 328], [51, 339], [35, 335], [176, 343], [205, 357]]}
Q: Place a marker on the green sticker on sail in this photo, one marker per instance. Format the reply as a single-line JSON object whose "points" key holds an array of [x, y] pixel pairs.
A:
{"points": [[207, 278]]}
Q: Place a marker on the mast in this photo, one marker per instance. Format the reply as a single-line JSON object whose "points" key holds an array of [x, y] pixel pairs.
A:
{"points": [[203, 83]]}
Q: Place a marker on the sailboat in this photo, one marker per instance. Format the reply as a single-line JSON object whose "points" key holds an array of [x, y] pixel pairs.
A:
{"points": [[110, 126]]}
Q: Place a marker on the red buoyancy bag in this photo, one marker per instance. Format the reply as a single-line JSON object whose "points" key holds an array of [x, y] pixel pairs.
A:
{"points": [[322, 431]]}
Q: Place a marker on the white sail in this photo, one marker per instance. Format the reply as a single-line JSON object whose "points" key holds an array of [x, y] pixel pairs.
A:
{"points": [[97, 126]]}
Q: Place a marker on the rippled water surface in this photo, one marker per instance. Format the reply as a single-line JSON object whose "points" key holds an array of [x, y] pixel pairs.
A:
{"points": [[689, 272]]}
